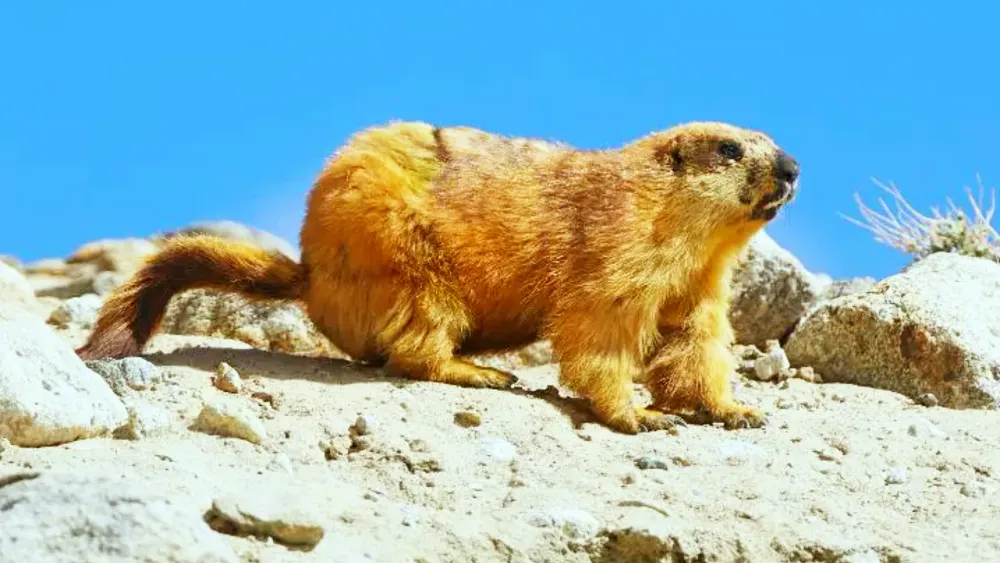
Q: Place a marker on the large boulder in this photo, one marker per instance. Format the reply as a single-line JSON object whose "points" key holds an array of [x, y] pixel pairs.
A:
{"points": [[14, 288], [772, 290], [67, 517], [934, 328], [48, 395]]}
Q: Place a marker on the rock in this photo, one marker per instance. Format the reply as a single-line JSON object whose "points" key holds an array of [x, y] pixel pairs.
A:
{"points": [[66, 518], [896, 476], [227, 379], [114, 255], [840, 288], [931, 329], [497, 449], [145, 420], [771, 290], [47, 394], [80, 311], [229, 418], [573, 522], [468, 419], [807, 373], [266, 515], [11, 261], [133, 373], [925, 428], [647, 462], [364, 425], [927, 400], [773, 364], [534, 355], [275, 326], [239, 232], [14, 288]]}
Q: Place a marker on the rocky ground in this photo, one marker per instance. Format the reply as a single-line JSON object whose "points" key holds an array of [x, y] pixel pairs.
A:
{"points": [[236, 437]]}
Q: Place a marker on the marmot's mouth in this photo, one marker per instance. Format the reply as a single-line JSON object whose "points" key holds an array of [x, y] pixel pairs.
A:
{"points": [[767, 208]]}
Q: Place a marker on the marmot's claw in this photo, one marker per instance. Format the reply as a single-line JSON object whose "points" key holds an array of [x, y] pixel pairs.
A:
{"points": [[653, 420]]}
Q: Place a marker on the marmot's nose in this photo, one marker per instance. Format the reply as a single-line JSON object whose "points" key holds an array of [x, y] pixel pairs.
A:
{"points": [[787, 168]]}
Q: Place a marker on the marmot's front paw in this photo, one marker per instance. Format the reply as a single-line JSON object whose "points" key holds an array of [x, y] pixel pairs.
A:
{"points": [[733, 416], [652, 420]]}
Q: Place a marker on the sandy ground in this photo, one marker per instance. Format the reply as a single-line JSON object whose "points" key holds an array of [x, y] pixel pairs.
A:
{"points": [[841, 473]]}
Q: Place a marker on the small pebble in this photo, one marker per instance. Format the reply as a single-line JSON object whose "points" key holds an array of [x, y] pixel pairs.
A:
{"points": [[227, 378], [497, 448], [573, 522], [896, 476], [364, 425], [647, 462], [974, 490], [772, 365], [809, 374], [468, 419], [927, 400], [924, 427], [281, 462], [227, 418]]}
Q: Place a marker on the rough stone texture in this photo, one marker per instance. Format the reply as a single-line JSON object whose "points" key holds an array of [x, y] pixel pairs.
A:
{"points": [[81, 311], [114, 255], [145, 420], [772, 290], [47, 394], [64, 517], [933, 328], [275, 326], [14, 288], [127, 373], [224, 416], [238, 231], [11, 261], [533, 355], [284, 518]]}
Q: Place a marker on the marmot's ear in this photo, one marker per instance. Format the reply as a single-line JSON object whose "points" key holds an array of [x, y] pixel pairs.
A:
{"points": [[668, 154]]}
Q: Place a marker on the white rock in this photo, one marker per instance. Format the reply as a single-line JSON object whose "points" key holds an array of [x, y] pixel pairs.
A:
{"points": [[145, 420], [14, 287], [771, 364], [80, 311], [69, 518], [127, 373], [573, 522], [497, 448], [225, 417], [933, 328], [47, 394], [227, 378], [772, 290]]}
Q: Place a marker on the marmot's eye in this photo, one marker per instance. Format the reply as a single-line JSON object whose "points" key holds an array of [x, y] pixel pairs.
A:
{"points": [[731, 149]]}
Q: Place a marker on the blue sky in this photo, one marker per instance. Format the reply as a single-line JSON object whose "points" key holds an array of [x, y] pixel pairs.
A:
{"points": [[126, 118]]}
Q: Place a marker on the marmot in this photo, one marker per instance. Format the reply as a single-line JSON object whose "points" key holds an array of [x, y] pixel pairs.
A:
{"points": [[423, 244]]}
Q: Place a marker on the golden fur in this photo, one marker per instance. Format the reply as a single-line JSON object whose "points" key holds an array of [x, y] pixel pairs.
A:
{"points": [[422, 245]]}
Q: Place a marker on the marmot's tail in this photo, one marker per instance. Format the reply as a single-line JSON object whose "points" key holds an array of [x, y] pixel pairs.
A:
{"points": [[133, 311]]}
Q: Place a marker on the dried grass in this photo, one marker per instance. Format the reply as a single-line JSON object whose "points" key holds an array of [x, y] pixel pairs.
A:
{"points": [[919, 235]]}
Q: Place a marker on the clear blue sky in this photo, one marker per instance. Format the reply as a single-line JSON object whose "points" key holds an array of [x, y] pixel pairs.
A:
{"points": [[126, 118]]}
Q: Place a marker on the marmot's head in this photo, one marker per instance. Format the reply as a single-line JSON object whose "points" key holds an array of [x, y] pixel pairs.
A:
{"points": [[742, 174]]}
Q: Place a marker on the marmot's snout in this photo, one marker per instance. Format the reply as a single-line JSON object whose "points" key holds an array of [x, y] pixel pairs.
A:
{"points": [[786, 175]]}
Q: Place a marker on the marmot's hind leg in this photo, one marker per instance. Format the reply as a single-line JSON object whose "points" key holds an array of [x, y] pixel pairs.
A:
{"points": [[420, 338]]}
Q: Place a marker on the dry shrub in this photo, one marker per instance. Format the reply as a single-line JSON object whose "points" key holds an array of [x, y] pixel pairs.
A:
{"points": [[906, 229]]}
